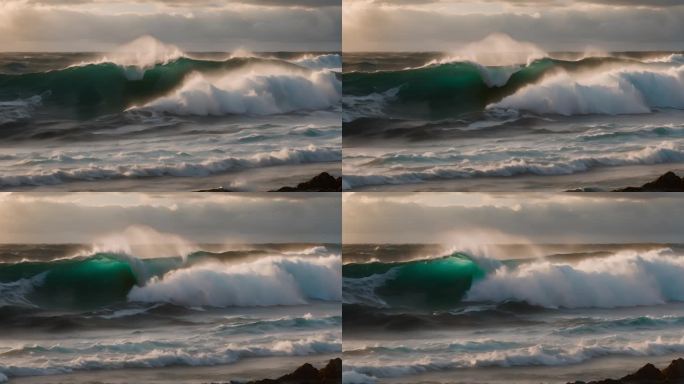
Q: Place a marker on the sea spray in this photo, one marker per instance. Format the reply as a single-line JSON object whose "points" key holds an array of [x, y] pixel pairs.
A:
{"points": [[622, 91], [266, 281], [625, 279], [262, 90]]}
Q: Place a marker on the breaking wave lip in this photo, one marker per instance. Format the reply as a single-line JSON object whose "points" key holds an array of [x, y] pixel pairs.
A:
{"points": [[149, 73], [626, 279], [102, 279], [265, 92], [330, 61], [663, 153], [310, 154], [264, 282], [543, 84], [614, 92]]}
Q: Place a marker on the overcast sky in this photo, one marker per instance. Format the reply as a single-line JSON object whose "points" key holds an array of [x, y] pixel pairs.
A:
{"points": [[554, 25], [199, 218], [193, 25], [458, 218]]}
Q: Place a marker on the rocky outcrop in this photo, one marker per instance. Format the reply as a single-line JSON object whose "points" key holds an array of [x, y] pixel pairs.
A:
{"points": [[324, 182], [308, 374], [668, 182], [649, 374]]}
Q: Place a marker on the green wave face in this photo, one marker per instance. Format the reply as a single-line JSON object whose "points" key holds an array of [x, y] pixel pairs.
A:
{"points": [[97, 89], [450, 90], [438, 282], [100, 280]]}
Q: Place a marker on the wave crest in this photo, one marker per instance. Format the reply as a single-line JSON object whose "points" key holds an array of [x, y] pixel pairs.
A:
{"points": [[263, 92], [264, 282]]}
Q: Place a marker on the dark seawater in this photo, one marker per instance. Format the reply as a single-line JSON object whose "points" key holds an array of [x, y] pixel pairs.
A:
{"points": [[457, 317], [70, 118], [427, 121], [76, 309]]}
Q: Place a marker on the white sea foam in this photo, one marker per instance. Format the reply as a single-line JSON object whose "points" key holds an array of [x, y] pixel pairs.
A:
{"points": [[625, 279], [260, 89], [496, 49], [18, 110], [210, 166], [129, 354], [373, 105], [362, 290], [662, 153], [331, 61], [534, 355], [264, 282], [143, 242], [633, 90], [353, 377], [15, 293], [139, 55]]}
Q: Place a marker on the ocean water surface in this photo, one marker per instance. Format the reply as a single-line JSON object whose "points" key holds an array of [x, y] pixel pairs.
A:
{"points": [[151, 117]]}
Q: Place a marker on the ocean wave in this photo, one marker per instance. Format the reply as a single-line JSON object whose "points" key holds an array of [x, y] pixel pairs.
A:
{"points": [[307, 321], [602, 325], [265, 282], [535, 355], [138, 76], [662, 153], [95, 280], [457, 85], [621, 91], [625, 279], [207, 167], [147, 354], [264, 92], [15, 293], [18, 110], [331, 61], [105, 281], [431, 282]]}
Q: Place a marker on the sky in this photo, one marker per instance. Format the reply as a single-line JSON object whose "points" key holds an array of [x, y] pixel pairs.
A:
{"points": [[526, 218], [57, 218], [193, 25], [553, 25]]}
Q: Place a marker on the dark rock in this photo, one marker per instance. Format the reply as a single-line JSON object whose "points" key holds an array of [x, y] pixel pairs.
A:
{"points": [[308, 374], [332, 373], [649, 374], [675, 371], [321, 183], [669, 182], [219, 189], [646, 374]]}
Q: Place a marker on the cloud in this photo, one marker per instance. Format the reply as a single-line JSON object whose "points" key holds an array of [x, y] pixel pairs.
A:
{"points": [[67, 218], [445, 218], [202, 3], [563, 26], [84, 27], [636, 3]]}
